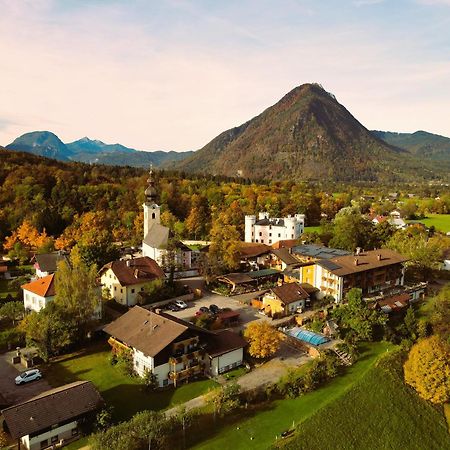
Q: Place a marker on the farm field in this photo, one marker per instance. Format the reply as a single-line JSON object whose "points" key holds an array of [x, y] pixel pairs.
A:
{"points": [[260, 430], [440, 221], [379, 412]]}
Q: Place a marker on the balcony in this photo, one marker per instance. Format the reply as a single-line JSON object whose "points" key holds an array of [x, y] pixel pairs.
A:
{"points": [[199, 353], [179, 375]]}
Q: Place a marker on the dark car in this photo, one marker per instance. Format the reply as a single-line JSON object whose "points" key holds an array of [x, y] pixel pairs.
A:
{"points": [[172, 307], [214, 309], [202, 310]]}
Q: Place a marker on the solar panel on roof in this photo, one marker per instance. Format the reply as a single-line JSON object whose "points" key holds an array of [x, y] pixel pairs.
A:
{"points": [[330, 265]]}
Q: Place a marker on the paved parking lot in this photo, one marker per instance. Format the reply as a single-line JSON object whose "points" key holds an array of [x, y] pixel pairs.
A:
{"points": [[12, 393], [247, 313]]}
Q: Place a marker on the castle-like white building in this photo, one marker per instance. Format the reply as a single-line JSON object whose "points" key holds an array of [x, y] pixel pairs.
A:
{"points": [[268, 230]]}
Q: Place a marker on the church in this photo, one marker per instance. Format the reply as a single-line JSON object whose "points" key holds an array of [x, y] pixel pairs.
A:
{"points": [[157, 237]]}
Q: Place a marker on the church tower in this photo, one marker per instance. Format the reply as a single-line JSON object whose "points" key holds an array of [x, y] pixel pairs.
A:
{"points": [[152, 210]]}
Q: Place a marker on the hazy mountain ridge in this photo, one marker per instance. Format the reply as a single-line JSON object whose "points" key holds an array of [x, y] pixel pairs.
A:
{"points": [[420, 143], [307, 135], [46, 143]]}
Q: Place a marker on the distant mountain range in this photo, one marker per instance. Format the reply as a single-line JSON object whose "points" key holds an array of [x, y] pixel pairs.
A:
{"points": [[421, 143], [45, 143], [309, 135]]}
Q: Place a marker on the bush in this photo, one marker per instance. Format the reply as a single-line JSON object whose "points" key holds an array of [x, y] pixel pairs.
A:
{"points": [[10, 339]]}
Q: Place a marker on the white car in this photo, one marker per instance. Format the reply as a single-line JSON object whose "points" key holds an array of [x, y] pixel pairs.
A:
{"points": [[180, 304], [29, 375]]}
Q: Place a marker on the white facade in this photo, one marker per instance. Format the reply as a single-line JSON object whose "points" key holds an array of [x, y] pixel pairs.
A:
{"points": [[66, 432], [268, 230], [328, 283], [34, 302], [125, 295], [227, 361], [446, 264]]}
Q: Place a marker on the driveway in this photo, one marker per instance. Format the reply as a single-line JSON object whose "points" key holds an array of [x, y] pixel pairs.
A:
{"points": [[247, 313], [15, 394]]}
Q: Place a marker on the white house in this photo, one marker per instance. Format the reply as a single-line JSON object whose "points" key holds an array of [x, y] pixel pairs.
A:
{"points": [[126, 278], [53, 418], [172, 349], [37, 294], [157, 236], [268, 230]]}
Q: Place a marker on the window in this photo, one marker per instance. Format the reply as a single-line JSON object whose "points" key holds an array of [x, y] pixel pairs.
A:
{"points": [[165, 382], [142, 289], [279, 234], [153, 215], [262, 241], [270, 241], [54, 439], [115, 288], [270, 234], [132, 291], [256, 240], [121, 291], [260, 233], [44, 443]]}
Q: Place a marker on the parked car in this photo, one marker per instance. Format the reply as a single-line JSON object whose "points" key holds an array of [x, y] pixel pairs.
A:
{"points": [[202, 310], [214, 309], [181, 304], [29, 375], [172, 307]]}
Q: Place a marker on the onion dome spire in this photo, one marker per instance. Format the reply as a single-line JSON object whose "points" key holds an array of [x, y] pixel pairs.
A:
{"points": [[150, 192]]}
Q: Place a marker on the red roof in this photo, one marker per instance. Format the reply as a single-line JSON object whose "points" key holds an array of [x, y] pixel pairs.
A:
{"points": [[44, 287], [286, 243]]}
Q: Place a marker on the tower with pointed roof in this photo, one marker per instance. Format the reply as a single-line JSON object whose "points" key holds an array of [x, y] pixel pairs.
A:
{"points": [[152, 211]]}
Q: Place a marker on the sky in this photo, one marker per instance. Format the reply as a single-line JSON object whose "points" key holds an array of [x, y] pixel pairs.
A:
{"points": [[173, 74]]}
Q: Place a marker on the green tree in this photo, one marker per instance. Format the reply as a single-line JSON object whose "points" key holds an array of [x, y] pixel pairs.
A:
{"points": [[13, 311], [356, 320], [77, 292], [224, 398], [427, 369]]}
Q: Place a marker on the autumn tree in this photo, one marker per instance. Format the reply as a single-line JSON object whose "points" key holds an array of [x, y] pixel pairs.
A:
{"points": [[224, 398], [77, 292], [264, 339], [427, 369]]}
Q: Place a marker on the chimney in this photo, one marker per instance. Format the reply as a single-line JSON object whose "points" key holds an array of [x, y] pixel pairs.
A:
{"points": [[356, 261], [128, 263]]}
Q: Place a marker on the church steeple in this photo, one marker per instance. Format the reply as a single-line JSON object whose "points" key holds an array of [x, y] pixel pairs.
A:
{"points": [[150, 192], [152, 211]]}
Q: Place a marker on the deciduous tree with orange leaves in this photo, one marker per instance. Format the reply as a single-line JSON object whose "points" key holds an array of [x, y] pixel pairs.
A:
{"points": [[264, 339]]}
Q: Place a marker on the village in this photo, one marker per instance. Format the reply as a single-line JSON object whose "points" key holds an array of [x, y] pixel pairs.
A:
{"points": [[172, 325]]}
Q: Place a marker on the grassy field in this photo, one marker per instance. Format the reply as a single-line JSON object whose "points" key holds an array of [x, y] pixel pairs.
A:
{"points": [[440, 221], [4, 290], [316, 229], [124, 393], [260, 430], [379, 412]]}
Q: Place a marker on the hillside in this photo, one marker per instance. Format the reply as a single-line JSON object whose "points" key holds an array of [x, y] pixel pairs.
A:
{"points": [[307, 135], [420, 143], [46, 143]]}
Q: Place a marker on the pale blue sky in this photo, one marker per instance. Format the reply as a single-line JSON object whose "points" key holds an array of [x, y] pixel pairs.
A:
{"points": [[173, 74]]}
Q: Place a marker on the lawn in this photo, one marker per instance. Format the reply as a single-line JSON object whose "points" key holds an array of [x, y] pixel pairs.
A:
{"points": [[379, 412], [316, 229], [440, 221], [260, 430], [4, 290], [124, 393]]}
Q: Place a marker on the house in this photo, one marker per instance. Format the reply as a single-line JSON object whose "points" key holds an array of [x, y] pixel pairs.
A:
{"points": [[172, 349], [253, 254], [126, 278], [282, 259], [157, 237], [268, 230], [53, 418], [446, 260], [47, 263], [37, 294], [284, 300], [372, 271], [285, 243], [395, 219]]}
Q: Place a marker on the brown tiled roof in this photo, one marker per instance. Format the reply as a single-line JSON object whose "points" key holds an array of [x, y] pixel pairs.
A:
{"points": [[285, 243], [45, 287], [134, 271], [148, 331], [236, 278], [224, 341], [290, 292], [252, 249], [48, 262], [52, 407], [373, 259], [285, 256]]}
